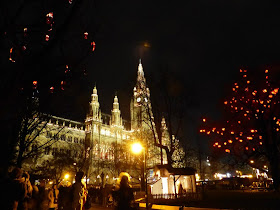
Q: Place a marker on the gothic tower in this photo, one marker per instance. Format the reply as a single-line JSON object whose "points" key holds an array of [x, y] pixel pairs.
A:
{"points": [[116, 113], [94, 105], [140, 106], [142, 120]]}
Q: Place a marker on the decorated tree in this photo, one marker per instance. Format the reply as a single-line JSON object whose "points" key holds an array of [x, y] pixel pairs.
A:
{"points": [[250, 130]]}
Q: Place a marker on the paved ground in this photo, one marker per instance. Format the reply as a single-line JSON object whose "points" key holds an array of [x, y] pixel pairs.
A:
{"points": [[157, 207]]}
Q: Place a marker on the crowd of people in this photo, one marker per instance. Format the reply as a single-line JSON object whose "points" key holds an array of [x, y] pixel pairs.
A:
{"points": [[21, 193]]}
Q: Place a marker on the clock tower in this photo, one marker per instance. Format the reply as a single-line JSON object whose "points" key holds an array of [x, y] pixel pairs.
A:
{"points": [[140, 107]]}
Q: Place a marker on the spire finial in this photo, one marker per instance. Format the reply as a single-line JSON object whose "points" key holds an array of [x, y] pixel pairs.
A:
{"points": [[140, 61]]}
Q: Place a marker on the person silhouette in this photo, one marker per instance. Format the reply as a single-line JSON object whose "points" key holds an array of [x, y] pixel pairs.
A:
{"points": [[78, 192], [124, 195]]}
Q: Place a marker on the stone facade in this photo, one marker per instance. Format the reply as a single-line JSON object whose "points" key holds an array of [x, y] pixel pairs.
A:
{"points": [[103, 141]]}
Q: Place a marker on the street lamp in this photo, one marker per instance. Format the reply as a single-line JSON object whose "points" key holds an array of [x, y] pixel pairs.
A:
{"points": [[66, 176], [138, 148]]}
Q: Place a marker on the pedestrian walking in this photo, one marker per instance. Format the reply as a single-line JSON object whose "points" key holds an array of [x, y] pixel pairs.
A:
{"points": [[124, 195], [78, 192], [42, 202], [15, 190], [53, 197]]}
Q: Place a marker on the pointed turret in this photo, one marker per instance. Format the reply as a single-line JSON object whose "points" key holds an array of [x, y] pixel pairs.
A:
{"points": [[163, 124], [116, 113], [94, 104], [141, 81]]}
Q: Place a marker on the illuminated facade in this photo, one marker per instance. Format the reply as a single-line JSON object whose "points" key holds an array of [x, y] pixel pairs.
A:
{"points": [[103, 140], [109, 136]]}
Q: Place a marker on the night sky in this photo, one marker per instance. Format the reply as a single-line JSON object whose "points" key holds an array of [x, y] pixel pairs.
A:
{"points": [[202, 43]]}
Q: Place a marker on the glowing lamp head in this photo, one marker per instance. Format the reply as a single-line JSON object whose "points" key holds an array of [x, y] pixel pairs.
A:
{"points": [[66, 176], [137, 148]]}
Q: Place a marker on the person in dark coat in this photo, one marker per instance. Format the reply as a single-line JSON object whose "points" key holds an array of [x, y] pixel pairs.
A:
{"points": [[16, 190], [123, 196]]}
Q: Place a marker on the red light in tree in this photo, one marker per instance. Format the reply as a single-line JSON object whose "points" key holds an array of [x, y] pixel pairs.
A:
{"points": [[49, 18], [93, 46], [86, 35], [62, 85], [11, 51], [51, 89], [35, 84], [25, 32]]}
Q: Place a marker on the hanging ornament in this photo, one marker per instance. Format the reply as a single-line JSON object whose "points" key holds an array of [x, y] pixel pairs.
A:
{"points": [[25, 32], [93, 46], [62, 84], [47, 38], [35, 84], [51, 89], [67, 69], [86, 35], [49, 18], [11, 51], [70, 1]]}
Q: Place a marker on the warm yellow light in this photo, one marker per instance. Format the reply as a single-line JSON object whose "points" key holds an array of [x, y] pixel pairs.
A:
{"points": [[137, 148], [251, 161], [66, 176]]}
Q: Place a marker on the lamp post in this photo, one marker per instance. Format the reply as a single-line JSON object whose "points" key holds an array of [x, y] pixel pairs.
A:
{"points": [[137, 148]]}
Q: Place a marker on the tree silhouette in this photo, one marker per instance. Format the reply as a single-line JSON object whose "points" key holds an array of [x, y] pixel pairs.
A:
{"points": [[44, 45], [250, 131]]}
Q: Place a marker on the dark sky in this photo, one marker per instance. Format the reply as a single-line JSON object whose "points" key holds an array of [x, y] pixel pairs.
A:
{"points": [[203, 43]]}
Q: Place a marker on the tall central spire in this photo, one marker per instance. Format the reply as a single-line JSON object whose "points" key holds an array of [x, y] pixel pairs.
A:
{"points": [[141, 81]]}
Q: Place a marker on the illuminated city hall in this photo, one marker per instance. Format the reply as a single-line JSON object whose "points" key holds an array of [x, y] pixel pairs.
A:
{"points": [[104, 141]]}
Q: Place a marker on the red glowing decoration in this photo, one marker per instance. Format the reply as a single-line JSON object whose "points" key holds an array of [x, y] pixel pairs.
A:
{"points": [[49, 18], [86, 35], [93, 46], [62, 84], [10, 58]]}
